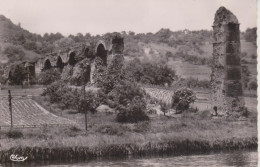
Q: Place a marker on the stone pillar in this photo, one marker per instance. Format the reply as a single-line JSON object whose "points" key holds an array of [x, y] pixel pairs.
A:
{"points": [[117, 44], [226, 81]]}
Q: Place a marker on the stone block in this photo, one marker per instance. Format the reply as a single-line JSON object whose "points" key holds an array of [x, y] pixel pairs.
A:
{"points": [[233, 73], [232, 60], [234, 89]]}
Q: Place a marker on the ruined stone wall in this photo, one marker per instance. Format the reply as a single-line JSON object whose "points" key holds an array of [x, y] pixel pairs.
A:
{"points": [[83, 64], [226, 81], [114, 50]]}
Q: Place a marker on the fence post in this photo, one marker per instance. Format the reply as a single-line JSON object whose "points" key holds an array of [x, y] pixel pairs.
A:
{"points": [[10, 107]]}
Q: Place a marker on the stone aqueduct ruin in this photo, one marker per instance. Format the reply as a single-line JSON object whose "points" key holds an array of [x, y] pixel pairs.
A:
{"points": [[226, 78], [69, 58], [226, 84]]}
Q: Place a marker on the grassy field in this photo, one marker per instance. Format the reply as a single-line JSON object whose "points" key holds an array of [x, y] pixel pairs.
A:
{"points": [[192, 131], [187, 70]]}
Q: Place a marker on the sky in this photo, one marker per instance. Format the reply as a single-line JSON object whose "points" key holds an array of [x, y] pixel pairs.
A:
{"points": [[140, 16]]}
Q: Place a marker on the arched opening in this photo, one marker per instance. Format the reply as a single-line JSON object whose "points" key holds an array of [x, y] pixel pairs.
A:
{"points": [[47, 65], [102, 53], [59, 63], [72, 60]]}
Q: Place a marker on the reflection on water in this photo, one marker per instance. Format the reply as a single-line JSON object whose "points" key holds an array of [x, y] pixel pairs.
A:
{"points": [[234, 158]]}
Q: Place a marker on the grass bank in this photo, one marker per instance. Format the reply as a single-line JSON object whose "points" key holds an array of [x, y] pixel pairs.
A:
{"points": [[190, 133]]}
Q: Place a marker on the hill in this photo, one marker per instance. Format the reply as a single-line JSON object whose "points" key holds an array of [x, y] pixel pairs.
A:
{"points": [[15, 42]]}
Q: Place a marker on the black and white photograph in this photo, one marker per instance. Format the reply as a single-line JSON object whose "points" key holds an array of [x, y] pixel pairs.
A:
{"points": [[128, 83]]}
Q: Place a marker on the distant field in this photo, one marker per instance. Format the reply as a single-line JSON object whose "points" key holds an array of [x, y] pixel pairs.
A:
{"points": [[187, 70], [202, 72], [201, 103], [249, 48]]}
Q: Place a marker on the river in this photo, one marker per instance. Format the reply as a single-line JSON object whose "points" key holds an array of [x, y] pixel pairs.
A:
{"points": [[234, 158]]}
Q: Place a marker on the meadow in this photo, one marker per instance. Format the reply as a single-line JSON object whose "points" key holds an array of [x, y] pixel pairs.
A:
{"points": [[193, 132]]}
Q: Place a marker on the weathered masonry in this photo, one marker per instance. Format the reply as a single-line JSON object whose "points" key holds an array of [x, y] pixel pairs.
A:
{"points": [[226, 78], [79, 64]]}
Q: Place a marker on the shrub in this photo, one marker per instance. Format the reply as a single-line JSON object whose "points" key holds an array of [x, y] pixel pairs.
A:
{"points": [[14, 134], [54, 91], [182, 98], [128, 98], [133, 113], [149, 73], [88, 103], [68, 98], [17, 74], [49, 76], [123, 94]]}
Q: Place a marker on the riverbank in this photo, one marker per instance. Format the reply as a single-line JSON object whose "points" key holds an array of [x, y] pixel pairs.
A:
{"points": [[190, 133]]}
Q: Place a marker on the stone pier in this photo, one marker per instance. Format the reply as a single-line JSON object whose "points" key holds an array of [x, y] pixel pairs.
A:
{"points": [[226, 78]]}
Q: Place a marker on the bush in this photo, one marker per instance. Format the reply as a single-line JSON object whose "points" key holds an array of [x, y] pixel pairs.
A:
{"points": [[148, 73], [182, 98], [49, 76], [17, 74], [90, 102], [68, 98], [133, 113], [128, 98], [55, 91], [14, 134]]}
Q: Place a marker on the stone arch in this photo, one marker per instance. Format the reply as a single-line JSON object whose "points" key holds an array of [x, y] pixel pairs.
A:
{"points": [[59, 63], [72, 60], [101, 52], [100, 42], [47, 64]]}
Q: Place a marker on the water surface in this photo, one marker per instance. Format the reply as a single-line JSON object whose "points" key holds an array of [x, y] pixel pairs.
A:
{"points": [[234, 158]]}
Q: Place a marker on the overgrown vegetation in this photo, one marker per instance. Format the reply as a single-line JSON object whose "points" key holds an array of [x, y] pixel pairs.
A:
{"points": [[182, 99], [49, 76], [149, 73], [119, 93]]}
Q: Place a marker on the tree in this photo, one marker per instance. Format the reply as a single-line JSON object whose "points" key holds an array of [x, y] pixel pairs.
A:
{"points": [[182, 98], [49, 76], [17, 74], [128, 98], [64, 42]]}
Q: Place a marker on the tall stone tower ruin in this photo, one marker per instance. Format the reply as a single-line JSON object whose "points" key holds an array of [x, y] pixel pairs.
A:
{"points": [[226, 78]]}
